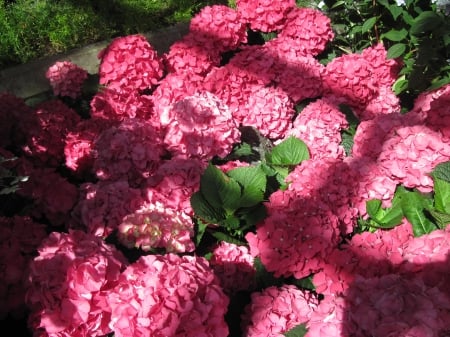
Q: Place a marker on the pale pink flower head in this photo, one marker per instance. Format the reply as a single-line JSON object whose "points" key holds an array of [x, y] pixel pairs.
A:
{"points": [[327, 320], [410, 153], [200, 126], [102, 206], [233, 264], [116, 105], [45, 131], [310, 26], [155, 225], [19, 238], [66, 79], [265, 15], [274, 311], [130, 62], [220, 25], [168, 295], [67, 284], [131, 151], [319, 125]]}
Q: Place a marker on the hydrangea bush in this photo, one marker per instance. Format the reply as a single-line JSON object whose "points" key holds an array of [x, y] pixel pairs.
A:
{"points": [[243, 183]]}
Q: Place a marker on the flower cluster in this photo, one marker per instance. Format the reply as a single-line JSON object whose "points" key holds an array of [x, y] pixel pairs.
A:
{"points": [[168, 295], [67, 284], [66, 79]]}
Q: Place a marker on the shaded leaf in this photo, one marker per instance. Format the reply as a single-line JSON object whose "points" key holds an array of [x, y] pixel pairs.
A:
{"points": [[368, 24], [442, 219], [396, 35], [396, 50], [442, 171], [442, 195], [425, 22], [298, 331]]}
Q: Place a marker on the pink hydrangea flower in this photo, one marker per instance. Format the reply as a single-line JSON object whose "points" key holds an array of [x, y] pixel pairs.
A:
{"points": [[188, 54], [102, 206], [130, 62], [52, 194], [131, 151], [319, 125], [45, 131], [168, 295], [233, 265], [274, 311], [68, 281], [219, 25], [310, 26], [79, 145], [12, 110], [267, 109], [410, 153], [175, 181], [327, 320], [19, 238], [157, 226], [265, 15], [115, 105], [66, 79], [200, 126], [295, 241]]}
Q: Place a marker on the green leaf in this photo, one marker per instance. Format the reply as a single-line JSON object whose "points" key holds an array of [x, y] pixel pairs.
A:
{"points": [[204, 210], [442, 171], [442, 195], [231, 222], [396, 50], [263, 277], [227, 238], [289, 152], [373, 208], [253, 216], [426, 22], [243, 150], [400, 85], [442, 219], [200, 231], [220, 190], [413, 207], [395, 11], [368, 24], [396, 35], [253, 181], [298, 331]]}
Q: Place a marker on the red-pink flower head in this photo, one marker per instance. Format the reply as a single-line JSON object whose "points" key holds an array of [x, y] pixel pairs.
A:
{"points": [[319, 125], [310, 26], [19, 238], [220, 25], [168, 295], [66, 79], [79, 145], [233, 265], [130, 62], [200, 126], [157, 226], [67, 284], [265, 15], [356, 79], [188, 54], [267, 109], [102, 206], [175, 181], [46, 129], [131, 151], [12, 110], [274, 311], [297, 240], [117, 105], [410, 153]]}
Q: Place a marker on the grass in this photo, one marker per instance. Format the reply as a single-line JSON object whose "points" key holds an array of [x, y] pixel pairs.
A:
{"points": [[32, 29]]}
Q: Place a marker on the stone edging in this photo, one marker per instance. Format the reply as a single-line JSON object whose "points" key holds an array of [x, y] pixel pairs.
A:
{"points": [[28, 80]]}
